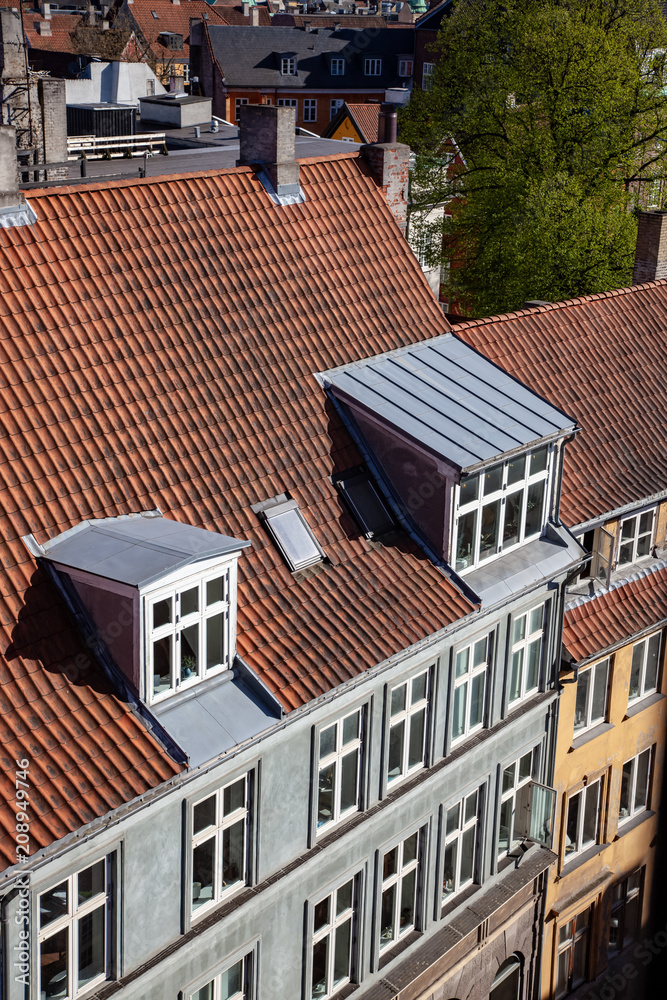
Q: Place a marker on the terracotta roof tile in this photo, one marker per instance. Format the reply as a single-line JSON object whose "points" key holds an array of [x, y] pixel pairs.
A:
{"points": [[625, 610]]}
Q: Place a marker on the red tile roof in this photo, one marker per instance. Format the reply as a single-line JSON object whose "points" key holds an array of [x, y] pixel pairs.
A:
{"points": [[626, 610], [602, 359], [366, 118], [233, 13], [62, 26], [171, 18], [158, 340]]}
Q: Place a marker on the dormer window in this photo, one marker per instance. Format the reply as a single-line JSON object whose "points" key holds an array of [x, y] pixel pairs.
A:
{"points": [[372, 66], [405, 66], [171, 40], [500, 507], [288, 66], [337, 66]]}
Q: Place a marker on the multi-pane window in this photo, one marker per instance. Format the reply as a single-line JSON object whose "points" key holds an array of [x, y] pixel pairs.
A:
{"points": [[526, 653], [337, 66], [398, 903], [635, 785], [514, 777], [372, 67], [310, 110], [73, 933], [335, 105], [428, 70], [626, 912], [592, 691], [288, 66], [339, 770], [232, 984], [573, 953], [645, 667], [583, 819], [408, 704], [500, 508], [188, 633], [239, 102], [287, 102], [471, 666], [461, 835], [405, 67], [333, 936], [220, 828], [635, 538]]}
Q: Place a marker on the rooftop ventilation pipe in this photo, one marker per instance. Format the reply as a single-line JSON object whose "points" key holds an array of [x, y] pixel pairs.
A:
{"points": [[387, 123]]}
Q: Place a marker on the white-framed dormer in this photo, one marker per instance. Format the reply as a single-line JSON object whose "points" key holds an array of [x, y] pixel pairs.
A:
{"points": [[161, 596]]}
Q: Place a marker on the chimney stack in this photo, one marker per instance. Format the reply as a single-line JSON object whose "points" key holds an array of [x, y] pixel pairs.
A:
{"points": [[266, 137], [388, 164], [245, 8], [46, 11], [14, 210], [387, 123], [651, 251], [254, 17]]}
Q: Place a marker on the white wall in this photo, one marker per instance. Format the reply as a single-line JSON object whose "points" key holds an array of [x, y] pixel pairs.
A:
{"points": [[115, 82]]}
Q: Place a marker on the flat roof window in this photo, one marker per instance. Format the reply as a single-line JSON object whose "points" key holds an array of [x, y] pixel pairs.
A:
{"points": [[155, 15], [290, 532], [365, 503]]}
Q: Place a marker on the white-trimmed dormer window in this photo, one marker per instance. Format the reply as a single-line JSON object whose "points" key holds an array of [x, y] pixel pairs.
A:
{"points": [[500, 507], [337, 66], [288, 66]]}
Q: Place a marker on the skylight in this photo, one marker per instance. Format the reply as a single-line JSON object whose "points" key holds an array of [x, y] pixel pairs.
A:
{"points": [[364, 502], [155, 15], [290, 532]]}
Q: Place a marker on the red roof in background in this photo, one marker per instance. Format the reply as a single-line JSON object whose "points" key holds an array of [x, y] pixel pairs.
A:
{"points": [[602, 359], [62, 26], [232, 11], [158, 340], [610, 618], [171, 18], [366, 117]]}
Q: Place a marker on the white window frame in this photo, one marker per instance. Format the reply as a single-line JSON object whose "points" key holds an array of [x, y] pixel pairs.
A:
{"points": [[216, 831], [335, 760], [216, 982], [239, 102], [498, 496], [522, 648], [70, 924], [337, 66], [640, 653], [406, 717], [465, 825], [579, 932], [396, 881], [372, 66], [428, 70], [310, 109], [173, 591], [331, 930], [335, 104], [584, 797], [629, 777], [640, 537], [288, 66], [522, 772], [406, 66], [588, 682], [471, 668]]}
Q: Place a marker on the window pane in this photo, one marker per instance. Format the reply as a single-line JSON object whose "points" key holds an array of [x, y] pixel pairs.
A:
{"points": [[628, 528], [479, 652], [53, 967], [516, 470], [462, 659], [534, 508], [453, 815], [344, 898], [579, 969], [536, 620], [591, 814], [233, 849], [53, 904], [410, 849], [467, 854], [508, 777], [162, 612], [395, 761], [641, 785], [625, 553], [599, 706], [321, 913], [350, 728], [525, 766], [489, 529], [468, 490], [387, 916], [202, 873], [398, 699], [458, 710], [91, 882], [205, 993], [203, 815], [327, 741], [349, 781], [342, 951], [572, 835], [626, 785], [651, 672], [162, 664], [470, 807], [477, 700], [231, 981], [533, 671], [505, 829], [580, 709], [513, 511], [519, 630], [465, 540], [320, 962], [636, 671], [215, 653], [416, 748], [563, 973], [493, 479], [214, 591], [643, 545], [449, 873], [233, 797], [189, 652], [325, 795], [92, 937], [295, 538], [538, 461], [418, 689], [515, 675], [389, 865], [189, 601], [407, 914], [646, 522]]}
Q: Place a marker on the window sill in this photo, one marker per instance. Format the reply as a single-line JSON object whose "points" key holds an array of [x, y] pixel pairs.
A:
{"points": [[642, 703], [590, 734], [628, 825], [394, 950], [571, 864], [458, 899], [332, 831]]}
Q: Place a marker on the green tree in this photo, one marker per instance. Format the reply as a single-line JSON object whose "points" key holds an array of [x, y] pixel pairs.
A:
{"points": [[559, 113]]}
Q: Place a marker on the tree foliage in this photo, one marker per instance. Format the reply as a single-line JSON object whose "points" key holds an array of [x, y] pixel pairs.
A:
{"points": [[559, 111]]}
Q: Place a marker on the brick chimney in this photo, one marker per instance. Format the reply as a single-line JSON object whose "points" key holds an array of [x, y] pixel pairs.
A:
{"points": [[388, 164], [266, 137], [651, 251]]}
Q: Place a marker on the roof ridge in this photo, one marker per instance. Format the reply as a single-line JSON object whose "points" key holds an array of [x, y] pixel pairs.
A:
{"points": [[553, 306]]}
